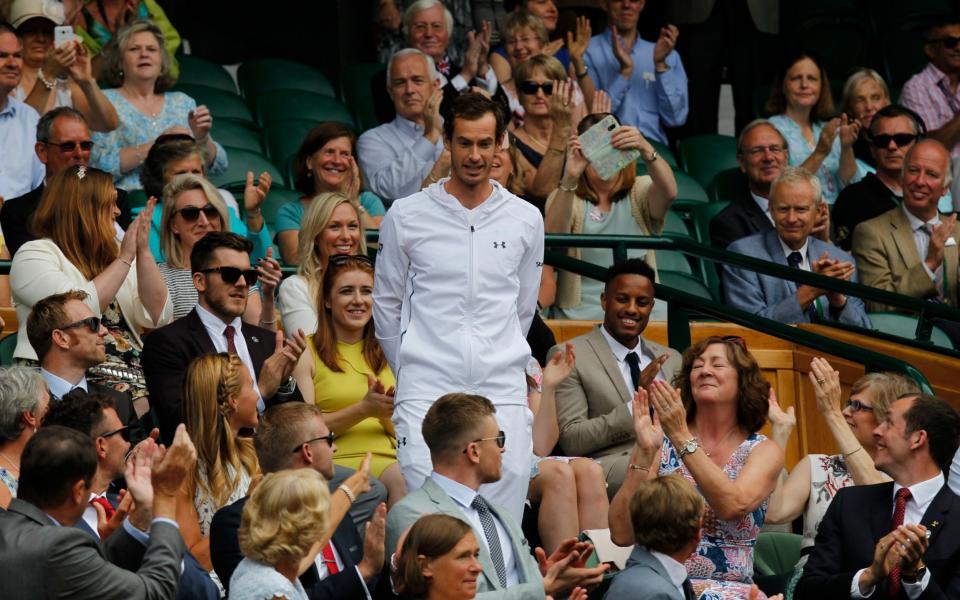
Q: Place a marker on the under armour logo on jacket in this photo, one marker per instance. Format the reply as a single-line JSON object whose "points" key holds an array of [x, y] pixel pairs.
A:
{"points": [[499, 244]]}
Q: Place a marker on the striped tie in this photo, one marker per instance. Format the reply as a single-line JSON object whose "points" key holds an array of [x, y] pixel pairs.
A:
{"points": [[493, 540]]}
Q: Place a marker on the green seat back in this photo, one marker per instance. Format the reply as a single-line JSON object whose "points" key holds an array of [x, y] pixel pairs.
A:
{"points": [[727, 185], [357, 93], [242, 161], [278, 196], [222, 105], [702, 215], [7, 345], [200, 71], [774, 558], [671, 260], [277, 105], [683, 282], [137, 200], [689, 188], [262, 75], [238, 134], [703, 156], [283, 138], [674, 224], [906, 326]]}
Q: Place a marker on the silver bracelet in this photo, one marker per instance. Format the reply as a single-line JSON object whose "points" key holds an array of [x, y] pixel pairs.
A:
{"points": [[346, 490], [652, 158], [129, 264]]}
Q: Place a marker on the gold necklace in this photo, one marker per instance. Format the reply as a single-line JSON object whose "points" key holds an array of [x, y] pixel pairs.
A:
{"points": [[720, 443]]}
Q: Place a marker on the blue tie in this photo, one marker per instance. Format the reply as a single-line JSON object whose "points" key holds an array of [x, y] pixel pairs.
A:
{"points": [[493, 540]]}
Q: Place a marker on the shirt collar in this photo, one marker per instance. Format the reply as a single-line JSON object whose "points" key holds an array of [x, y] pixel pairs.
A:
{"points": [[787, 250], [675, 570], [215, 323], [409, 127], [60, 387], [619, 350], [460, 493], [916, 222], [10, 107], [935, 73], [924, 492]]}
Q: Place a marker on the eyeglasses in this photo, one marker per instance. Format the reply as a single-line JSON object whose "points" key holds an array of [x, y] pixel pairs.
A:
{"points": [[85, 146], [232, 274], [123, 431], [192, 213], [857, 406], [948, 42], [338, 260], [92, 323], [882, 141], [519, 40], [501, 438], [736, 339], [327, 438], [530, 88], [758, 151]]}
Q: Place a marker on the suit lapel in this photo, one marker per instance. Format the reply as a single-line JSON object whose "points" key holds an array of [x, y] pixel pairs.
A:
{"points": [[771, 244], [517, 543], [881, 519], [903, 238], [605, 355], [198, 332], [937, 513], [258, 344]]}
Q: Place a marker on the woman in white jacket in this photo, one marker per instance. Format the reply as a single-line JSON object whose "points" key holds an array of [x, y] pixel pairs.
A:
{"points": [[77, 249]]}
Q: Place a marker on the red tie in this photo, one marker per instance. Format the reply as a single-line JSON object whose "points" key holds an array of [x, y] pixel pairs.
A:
{"points": [[329, 560], [899, 508], [229, 332], [107, 508]]}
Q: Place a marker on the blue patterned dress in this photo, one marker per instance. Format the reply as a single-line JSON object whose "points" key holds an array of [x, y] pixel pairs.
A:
{"points": [[722, 566]]}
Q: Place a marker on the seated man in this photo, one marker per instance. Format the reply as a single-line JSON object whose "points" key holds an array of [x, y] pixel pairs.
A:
{"points": [[893, 131], [42, 554], [594, 403], [349, 566], [860, 551], [21, 171], [667, 517], [466, 447], [794, 203]]}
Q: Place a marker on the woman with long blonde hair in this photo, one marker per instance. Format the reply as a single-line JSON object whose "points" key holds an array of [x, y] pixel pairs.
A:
{"points": [[77, 249], [331, 226], [218, 401]]}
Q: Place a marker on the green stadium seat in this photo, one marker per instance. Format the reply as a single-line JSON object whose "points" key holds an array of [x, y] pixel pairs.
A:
{"points": [[222, 105], [238, 134], [137, 200], [277, 197], [674, 224], [702, 215], [7, 345], [258, 76], [900, 26], [664, 153], [727, 185], [283, 138], [671, 260], [905, 326], [703, 156], [689, 188], [357, 93], [200, 71], [683, 282], [278, 105], [774, 559], [242, 161]]}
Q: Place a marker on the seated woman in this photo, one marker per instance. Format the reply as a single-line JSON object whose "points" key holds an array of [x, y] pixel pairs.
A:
{"points": [[281, 533], [347, 376], [331, 226], [707, 430], [77, 250], [571, 491], [817, 478], [139, 70], [23, 403], [178, 153], [864, 93], [325, 163], [438, 560], [625, 204], [53, 77], [192, 207], [802, 108], [218, 401]]}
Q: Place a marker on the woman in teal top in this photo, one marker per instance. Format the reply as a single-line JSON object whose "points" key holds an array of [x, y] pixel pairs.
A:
{"points": [[325, 163]]}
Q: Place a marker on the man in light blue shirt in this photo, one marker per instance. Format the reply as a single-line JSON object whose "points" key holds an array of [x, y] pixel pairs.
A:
{"points": [[646, 82], [20, 169]]}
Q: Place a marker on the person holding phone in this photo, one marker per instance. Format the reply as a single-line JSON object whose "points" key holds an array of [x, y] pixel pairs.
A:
{"points": [[584, 202]]}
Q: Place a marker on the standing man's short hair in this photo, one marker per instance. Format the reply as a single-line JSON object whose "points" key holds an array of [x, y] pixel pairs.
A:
{"points": [[203, 250], [53, 461], [472, 106], [452, 422], [666, 513]]}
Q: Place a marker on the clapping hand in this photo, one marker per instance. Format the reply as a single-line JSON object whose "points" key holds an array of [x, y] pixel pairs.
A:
{"points": [[782, 421], [621, 53], [278, 367], [665, 44], [559, 367], [579, 39], [826, 387], [269, 274], [848, 131], [646, 426], [255, 194], [601, 103], [938, 241], [378, 402], [562, 103], [669, 406], [201, 122], [827, 135], [576, 161]]}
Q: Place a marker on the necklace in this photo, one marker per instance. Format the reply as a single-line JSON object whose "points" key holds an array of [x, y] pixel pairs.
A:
{"points": [[720, 443], [10, 462]]}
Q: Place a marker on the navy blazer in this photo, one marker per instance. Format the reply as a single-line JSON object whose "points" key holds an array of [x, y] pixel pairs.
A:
{"points": [[776, 298]]}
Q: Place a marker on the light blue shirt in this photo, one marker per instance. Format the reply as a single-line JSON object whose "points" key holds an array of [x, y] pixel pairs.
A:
{"points": [[20, 169], [649, 100], [60, 387], [396, 158]]}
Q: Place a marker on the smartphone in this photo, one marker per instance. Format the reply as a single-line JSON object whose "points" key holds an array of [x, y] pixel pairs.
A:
{"points": [[597, 147], [63, 35]]}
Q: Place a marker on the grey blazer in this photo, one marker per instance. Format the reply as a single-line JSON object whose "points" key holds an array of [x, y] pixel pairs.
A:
{"points": [[38, 559], [776, 298], [431, 499], [644, 578]]}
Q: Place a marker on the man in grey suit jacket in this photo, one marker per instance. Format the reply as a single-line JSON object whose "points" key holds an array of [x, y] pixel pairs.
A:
{"points": [[466, 446], [794, 202], [43, 556], [667, 517], [594, 402]]}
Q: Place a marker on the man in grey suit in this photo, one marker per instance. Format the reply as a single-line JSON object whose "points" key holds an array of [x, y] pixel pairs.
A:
{"points": [[42, 554], [466, 446], [594, 402], [667, 517], [794, 204]]}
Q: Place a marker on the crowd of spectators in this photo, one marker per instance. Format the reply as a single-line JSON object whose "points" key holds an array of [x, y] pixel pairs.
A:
{"points": [[183, 422]]}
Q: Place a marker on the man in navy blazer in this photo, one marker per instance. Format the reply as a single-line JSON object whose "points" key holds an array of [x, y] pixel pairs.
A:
{"points": [[794, 204], [358, 562]]}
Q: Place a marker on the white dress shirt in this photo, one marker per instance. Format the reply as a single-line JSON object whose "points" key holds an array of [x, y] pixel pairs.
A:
{"points": [[620, 353], [675, 570], [215, 328], [324, 572], [922, 240], [396, 157], [60, 387]]}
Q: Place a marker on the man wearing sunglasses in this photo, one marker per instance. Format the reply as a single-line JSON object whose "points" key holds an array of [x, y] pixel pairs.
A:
{"points": [[63, 140], [21, 170], [222, 275], [893, 131]]}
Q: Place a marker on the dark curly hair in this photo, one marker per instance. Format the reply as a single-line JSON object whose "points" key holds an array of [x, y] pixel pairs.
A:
{"points": [[753, 388]]}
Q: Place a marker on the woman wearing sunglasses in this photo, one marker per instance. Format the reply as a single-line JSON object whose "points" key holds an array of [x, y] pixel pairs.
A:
{"points": [[77, 249], [817, 478], [192, 208], [345, 373]]}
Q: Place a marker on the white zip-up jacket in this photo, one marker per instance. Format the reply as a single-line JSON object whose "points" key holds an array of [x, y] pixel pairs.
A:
{"points": [[455, 294]]}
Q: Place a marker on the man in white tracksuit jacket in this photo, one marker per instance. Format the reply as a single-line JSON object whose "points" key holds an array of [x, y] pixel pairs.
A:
{"points": [[457, 277]]}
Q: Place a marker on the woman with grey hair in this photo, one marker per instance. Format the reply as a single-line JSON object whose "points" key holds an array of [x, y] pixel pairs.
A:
{"points": [[23, 403], [864, 93]]}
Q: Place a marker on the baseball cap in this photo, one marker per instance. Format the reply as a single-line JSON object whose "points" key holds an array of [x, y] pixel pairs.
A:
{"points": [[22, 11]]}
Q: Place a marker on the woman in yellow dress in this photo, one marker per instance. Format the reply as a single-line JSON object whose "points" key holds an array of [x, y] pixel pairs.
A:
{"points": [[345, 373]]}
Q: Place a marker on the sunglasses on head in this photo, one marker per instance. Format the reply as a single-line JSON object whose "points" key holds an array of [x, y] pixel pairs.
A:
{"points": [[85, 146], [123, 431], [948, 42], [92, 323], [192, 213], [338, 260], [232, 274], [530, 88], [900, 139], [736, 339]]}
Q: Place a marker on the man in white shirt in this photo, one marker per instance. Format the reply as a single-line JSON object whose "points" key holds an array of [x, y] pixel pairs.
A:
{"points": [[896, 539], [613, 360], [20, 169]]}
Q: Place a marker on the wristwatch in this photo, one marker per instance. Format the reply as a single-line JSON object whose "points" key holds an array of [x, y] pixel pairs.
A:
{"points": [[689, 447], [917, 576], [287, 387]]}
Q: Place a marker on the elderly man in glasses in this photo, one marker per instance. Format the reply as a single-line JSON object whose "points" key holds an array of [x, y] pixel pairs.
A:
{"points": [[63, 140]]}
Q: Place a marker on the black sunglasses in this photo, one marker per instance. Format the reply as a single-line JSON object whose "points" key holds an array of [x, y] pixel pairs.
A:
{"points": [[948, 42], [192, 213], [857, 406], [85, 146], [338, 260], [530, 88], [882, 141], [123, 431], [501, 438], [736, 339], [327, 438], [93, 323], [232, 274]]}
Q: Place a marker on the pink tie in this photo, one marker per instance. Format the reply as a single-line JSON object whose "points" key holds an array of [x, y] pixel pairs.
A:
{"points": [[899, 508]]}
